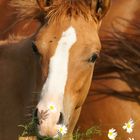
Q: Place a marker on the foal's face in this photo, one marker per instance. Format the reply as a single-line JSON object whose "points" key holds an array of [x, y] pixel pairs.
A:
{"points": [[69, 50]]}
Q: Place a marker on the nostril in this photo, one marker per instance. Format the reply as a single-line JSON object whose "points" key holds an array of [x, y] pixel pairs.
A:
{"points": [[61, 119], [35, 116]]}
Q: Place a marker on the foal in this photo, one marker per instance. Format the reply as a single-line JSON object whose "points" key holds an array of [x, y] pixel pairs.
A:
{"points": [[69, 45]]}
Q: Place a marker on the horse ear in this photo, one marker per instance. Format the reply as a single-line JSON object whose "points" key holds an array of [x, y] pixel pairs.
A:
{"points": [[100, 8], [44, 4]]}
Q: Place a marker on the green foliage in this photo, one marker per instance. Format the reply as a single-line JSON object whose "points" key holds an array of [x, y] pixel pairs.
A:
{"points": [[30, 129], [88, 134]]}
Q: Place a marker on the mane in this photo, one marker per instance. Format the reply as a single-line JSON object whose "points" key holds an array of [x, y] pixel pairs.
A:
{"points": [[12, 39], [121, 54], [29, 9], [70, 8], [25, 9]]}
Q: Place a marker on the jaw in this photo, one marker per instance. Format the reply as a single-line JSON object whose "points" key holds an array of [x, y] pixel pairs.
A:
{"points": [[72, 123], [71, 114], [44, 132]]}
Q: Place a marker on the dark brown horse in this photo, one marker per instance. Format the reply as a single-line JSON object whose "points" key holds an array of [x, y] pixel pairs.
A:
{"points": [[18, 72]]}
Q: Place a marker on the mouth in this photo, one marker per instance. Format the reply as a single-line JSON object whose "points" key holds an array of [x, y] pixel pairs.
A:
{"points": [[57, 131], [49, 127]]}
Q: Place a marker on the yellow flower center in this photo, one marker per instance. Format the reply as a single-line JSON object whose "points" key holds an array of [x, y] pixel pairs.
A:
{"points": [[110, 133], [51, 107], [128, 125], [61, 130]]}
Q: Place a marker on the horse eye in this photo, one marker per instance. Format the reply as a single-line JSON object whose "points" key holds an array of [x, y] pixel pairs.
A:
{"points": [[35, 48], [93, 58]]}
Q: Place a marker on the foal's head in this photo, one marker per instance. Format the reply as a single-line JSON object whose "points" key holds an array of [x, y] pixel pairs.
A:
{"points": [[69, 46]]}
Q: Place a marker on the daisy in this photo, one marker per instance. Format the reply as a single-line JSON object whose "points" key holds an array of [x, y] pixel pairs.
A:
{"points": [[129, 126], [131, 139], [51, 107], [62, 129], [112, 134]]}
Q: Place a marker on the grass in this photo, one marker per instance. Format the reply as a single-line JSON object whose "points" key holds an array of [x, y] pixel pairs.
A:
{"points": [[30, 129], [87, 134]]}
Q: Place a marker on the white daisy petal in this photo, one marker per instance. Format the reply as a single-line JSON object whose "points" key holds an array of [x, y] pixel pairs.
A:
{"points": [[129, 126], [130, 138], [62, 129], [124, 127], [112, 134], [129, 130]]}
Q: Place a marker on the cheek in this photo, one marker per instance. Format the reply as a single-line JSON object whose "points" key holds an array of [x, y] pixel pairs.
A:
{"points": [[82, 84], [77, 87], [79, 76], [83, 89], [80, 89]]}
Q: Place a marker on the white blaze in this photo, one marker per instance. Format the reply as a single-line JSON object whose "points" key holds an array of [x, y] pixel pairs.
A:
{"points": [[58, 68]]}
